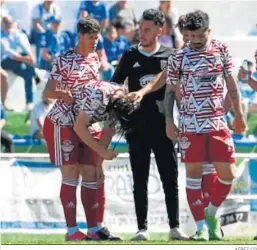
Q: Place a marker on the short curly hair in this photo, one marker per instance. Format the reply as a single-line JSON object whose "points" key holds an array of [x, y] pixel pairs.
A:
{"points": [[88, 25], [154, 15], [197, 20]]}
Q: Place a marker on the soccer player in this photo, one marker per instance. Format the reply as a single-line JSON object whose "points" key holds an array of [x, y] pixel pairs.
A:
{"points": [[140, 64], [70, 72], [209, 174], [200, 69], [101, 101]]}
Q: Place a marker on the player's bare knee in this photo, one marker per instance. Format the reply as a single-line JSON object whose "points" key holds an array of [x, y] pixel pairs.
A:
{"points": [[226, 171], [88, 173], [194, 170], [70, 171]]}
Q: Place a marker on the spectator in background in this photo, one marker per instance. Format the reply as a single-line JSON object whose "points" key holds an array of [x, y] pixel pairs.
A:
{"points": [[95, 9], [17, 57], [249, 75], [41, 16], [114, 45], [6, 141], [106, 69], [249, 96], [4, 84], [53, 43], [120, 11], [38, 117], [168, 10], [4, 10], [122, 38], [170, 36], [110, 45], [181, 27]]}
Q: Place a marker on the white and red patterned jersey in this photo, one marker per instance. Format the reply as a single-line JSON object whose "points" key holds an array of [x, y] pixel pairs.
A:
{"points": [[94, 99], [72, 71], [201, 75]]}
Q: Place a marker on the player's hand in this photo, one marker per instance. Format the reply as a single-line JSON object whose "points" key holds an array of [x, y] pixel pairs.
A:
{"points": [[135, 96], [109, 154], [99, 175], [239, 124], [66, 96], [172, 131]]}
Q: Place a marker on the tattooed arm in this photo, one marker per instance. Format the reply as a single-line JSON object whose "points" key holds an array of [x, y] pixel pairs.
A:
{"points": [[234, 95], [169, 100], [239, 123]]}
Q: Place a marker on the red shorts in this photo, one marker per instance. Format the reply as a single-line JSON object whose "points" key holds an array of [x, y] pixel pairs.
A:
{"points": [[215, 146], [65, 147]]}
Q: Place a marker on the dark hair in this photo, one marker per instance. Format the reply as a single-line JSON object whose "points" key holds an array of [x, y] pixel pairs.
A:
{"points": [[119, 23], [181, 22], [88, 25], [154, 15], [123, 110], [197, 20]]}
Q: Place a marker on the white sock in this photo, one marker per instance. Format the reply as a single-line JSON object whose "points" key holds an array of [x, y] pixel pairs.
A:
{"points": [[201, 224], [212, 210], [100, 224]]}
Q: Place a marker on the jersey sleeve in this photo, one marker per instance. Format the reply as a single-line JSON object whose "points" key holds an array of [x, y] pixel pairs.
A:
{"points": [[172, 77], [227, 61], [57, 73]]}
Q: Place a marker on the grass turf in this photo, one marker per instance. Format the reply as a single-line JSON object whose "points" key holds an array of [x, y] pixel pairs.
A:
{"points": [[156, 238]]}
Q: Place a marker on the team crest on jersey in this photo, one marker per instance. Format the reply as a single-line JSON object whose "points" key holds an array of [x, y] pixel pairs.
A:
{"points": [[143, 81], [184, 143], [163, 64], [67, 148]]}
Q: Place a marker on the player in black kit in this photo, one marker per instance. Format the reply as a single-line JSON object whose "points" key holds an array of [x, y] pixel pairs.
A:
{"points": [[140, 64]]}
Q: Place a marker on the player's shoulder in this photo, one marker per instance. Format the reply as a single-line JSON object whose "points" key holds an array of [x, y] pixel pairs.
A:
{"points": [[132, 49], [165, 49], [219, 45], [179, 53], [66, 56]]}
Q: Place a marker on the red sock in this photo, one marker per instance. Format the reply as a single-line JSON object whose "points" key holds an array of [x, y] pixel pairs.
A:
{"points": [[69, 201], [208, 181], [89, 201], [101, 202], [195, 198], [221, 190]]}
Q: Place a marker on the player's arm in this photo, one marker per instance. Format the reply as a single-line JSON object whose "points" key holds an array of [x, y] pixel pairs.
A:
{"points": [[234, 94], [81, 128], [107, 134], [227, 104], [172, 94], [239, 123], [51, 92], [158, 82], [106, 138], [55, 79]]}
